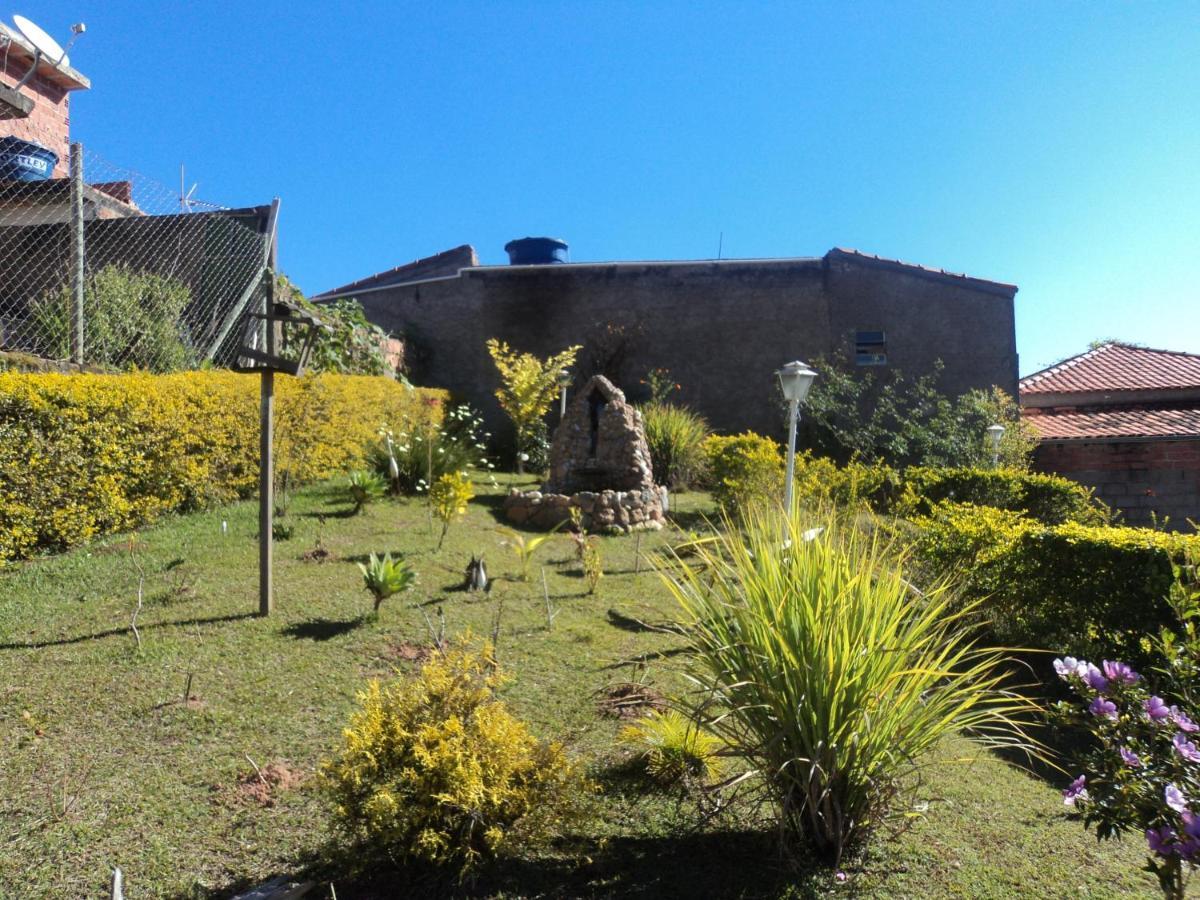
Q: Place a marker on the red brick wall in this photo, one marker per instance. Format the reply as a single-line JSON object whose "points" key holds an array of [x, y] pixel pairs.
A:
{"points": [[49, 124], [1142, 479]]}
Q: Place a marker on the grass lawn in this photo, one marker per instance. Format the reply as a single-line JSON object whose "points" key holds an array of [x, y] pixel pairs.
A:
{"points": [[106, 763]]}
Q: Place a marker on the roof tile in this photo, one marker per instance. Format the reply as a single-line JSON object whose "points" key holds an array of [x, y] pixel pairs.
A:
{"points": [[1117, 367], [1115, 422]]}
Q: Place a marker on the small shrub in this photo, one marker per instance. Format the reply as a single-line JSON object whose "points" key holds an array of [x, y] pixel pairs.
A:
{"points": [[385, 577], [528, 386], [435, 769], [587, 551], [830, 675], [134, 320], [744, 470], [364, 487], [675, 748], [661, 385], [676, 439], [449, 497]]}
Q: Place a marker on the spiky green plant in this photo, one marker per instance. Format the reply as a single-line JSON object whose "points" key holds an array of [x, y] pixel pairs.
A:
{"points": [[525, 546], [830, 674], [674, 747], [384, 576], [675, 436], [364, 487]]}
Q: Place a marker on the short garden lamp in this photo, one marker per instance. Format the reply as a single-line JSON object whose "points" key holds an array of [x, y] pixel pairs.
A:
{"points": [[564, 382], [279, 338], [994, 433], [795, 379]]}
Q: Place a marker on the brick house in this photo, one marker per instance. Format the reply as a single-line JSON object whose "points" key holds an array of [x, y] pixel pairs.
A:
{"points": [[722, 327], [1124, 420], [40, 110]]}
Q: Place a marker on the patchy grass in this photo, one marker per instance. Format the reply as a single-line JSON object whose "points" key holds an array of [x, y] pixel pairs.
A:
{"points": [[189, 763]]}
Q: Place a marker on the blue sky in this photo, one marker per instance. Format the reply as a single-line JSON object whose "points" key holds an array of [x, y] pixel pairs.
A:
{"points": [[1053, 145]]}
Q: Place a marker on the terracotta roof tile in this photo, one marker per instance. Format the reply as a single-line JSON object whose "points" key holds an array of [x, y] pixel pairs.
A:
{"points": [[1117, 367], [1115, 422]]}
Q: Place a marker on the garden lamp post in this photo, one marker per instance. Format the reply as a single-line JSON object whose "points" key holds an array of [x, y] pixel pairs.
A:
{"points": [[994, 433], [564, 382], [795, 379], [278, 339]]}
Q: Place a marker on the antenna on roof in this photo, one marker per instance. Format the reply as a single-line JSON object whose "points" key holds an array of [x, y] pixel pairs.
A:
{"points": [[720, 244], [187, 203]]}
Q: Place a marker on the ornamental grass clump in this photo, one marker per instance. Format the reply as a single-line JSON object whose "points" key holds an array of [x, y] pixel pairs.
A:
{"points": [[675, 436], [829, 674], [674, 748], [435, 769]]}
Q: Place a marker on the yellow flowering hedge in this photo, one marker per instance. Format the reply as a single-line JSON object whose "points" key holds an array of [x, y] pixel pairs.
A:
{"points": [[82, 455]]}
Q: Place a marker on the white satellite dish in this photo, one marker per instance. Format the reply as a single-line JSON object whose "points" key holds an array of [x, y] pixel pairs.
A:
{"points": [[49, 47]]}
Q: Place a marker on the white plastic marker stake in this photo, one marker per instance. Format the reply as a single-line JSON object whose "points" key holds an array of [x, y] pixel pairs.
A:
{"points": [[224, 527]]}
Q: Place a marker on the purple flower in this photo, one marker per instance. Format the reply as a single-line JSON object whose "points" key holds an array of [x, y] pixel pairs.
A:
{"points": [[1191, 823], [1160, 840], [1130, 758], [1069, 666], [1102, 707], [1076, 790], [1185, 748], [1181, 720], [1156, 710], [1188, 847], [1175, 799], [1120, 673], [1095, 680]]}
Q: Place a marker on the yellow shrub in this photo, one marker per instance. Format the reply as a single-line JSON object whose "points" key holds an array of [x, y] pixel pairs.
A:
{"points": [[82, 455], [435, 768], [744, 470]]}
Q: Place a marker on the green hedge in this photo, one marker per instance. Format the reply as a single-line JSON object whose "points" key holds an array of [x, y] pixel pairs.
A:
{"points": [[82, 455], [1069, 588], [1049, 499]]}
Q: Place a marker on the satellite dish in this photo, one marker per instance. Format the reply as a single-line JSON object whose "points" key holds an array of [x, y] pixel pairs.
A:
{"points": [[48, 46]]}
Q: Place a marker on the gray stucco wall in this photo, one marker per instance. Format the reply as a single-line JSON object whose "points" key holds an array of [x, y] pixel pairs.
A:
{"points": [[721, 328]]}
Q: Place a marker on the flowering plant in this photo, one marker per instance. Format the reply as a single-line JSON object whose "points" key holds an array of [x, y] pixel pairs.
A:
{"points": [[1143, 770], [413, 459]]}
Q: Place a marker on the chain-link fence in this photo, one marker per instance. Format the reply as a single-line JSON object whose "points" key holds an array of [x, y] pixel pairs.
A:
{"points": [[111, 269]]}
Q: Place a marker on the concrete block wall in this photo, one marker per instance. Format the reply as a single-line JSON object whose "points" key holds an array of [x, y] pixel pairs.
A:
{"points": [[1144, 480], [722, 328]]}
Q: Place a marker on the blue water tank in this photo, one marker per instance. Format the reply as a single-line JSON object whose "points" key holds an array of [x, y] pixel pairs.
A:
{"points": [[536, 251], [25, 161]]}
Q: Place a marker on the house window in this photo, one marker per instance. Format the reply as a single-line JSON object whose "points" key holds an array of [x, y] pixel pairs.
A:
{"points": [[870, 348]]}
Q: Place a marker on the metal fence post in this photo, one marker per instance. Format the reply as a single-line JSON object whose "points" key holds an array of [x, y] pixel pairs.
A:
{"points": [[77, 251]]}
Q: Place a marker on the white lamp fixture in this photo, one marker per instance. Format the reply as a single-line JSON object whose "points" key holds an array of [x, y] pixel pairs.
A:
{"points": [[564, 382], [795, 379], [994, 433]]}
